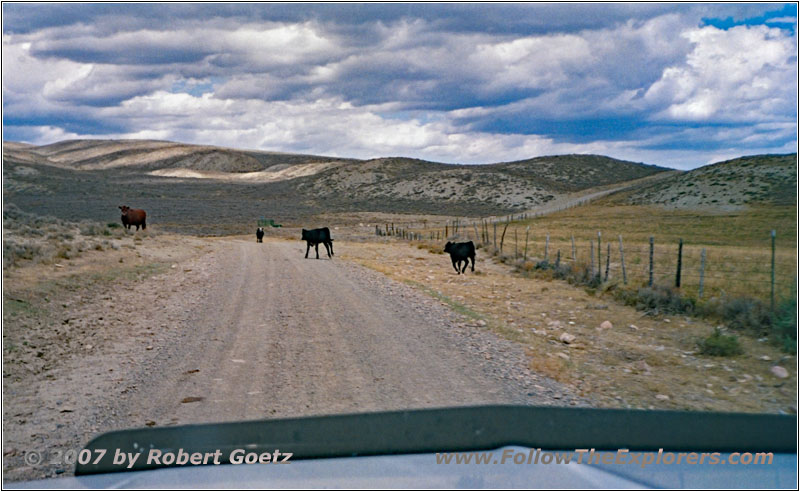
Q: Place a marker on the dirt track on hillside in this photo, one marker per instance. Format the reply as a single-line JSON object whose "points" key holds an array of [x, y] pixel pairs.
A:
{"points": [[249, 331]]}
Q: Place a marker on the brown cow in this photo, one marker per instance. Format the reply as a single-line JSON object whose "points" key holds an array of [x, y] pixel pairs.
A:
{"points": [[133, 217]]}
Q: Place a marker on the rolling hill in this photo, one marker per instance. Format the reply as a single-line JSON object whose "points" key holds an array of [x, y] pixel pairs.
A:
{"points": [[184, 183], [515, 185], [728, 185], [90, 155]]}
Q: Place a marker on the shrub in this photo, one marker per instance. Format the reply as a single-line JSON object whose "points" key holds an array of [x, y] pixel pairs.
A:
{"points": [[720, 345], [659, 299], [90, 228], [437, 250], [583, 275], [576, 274], [60, 236], [503, 258], [14, 251], [563, 271], [65, 252], [746, 315]]}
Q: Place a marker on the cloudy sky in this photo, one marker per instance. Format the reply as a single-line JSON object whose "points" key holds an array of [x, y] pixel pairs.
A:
{"points": [[680, 85]]}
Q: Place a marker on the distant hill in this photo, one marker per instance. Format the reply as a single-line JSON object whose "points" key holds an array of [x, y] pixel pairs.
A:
{"points": [[728, 185], [89, 178], [511, 185], [87, 155]]}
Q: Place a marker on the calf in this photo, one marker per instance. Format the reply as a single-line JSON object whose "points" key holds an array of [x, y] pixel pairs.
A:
{"points": [[461, 252], [260, 235], [133, 217], [315, 236]]}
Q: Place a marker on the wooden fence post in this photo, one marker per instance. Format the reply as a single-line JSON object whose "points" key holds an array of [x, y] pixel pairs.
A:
{"points": [[680, 258], [546, 247], [702, 272], [772, 276], [502, 238], [599, 256], [573, 248], [622, 261], [608, 262], [650, 281], [515, 243], [527, 230]]}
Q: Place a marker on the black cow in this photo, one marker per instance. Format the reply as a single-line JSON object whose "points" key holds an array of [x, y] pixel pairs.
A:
{"points": [[316, 236], [461, 252], [260, 235]]}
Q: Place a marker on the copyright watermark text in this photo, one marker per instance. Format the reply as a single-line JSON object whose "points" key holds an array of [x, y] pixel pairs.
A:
{"points": [[155, 457]]}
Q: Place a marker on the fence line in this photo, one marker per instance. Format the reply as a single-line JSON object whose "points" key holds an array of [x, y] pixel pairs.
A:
{"points": [[701, 269]]}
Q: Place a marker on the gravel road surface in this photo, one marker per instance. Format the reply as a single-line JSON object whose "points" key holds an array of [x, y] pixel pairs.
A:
{"points": [[250, 331]]}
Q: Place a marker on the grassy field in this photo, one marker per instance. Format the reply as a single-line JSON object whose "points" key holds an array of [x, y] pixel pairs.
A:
{"points": [[737, 244]]}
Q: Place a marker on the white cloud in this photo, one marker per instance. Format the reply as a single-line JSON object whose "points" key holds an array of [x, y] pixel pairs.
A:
{"points": [[328, 126], [27, 78], [407, 87], [740, 74], [781, 20]]}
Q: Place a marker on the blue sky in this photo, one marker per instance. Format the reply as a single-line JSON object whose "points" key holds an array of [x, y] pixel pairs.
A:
{"points": [[679, 85]]}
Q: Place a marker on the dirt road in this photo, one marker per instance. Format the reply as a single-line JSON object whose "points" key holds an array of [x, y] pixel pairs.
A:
{"points": [[283, 335], [250, 331]]}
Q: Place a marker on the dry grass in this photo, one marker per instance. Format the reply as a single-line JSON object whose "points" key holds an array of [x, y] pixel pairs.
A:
{"points": [[626, 366], [737, 244], [30, 238]]}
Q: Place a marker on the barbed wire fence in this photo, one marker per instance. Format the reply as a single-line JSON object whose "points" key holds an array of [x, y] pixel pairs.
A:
{"points": [[702, 271]]}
